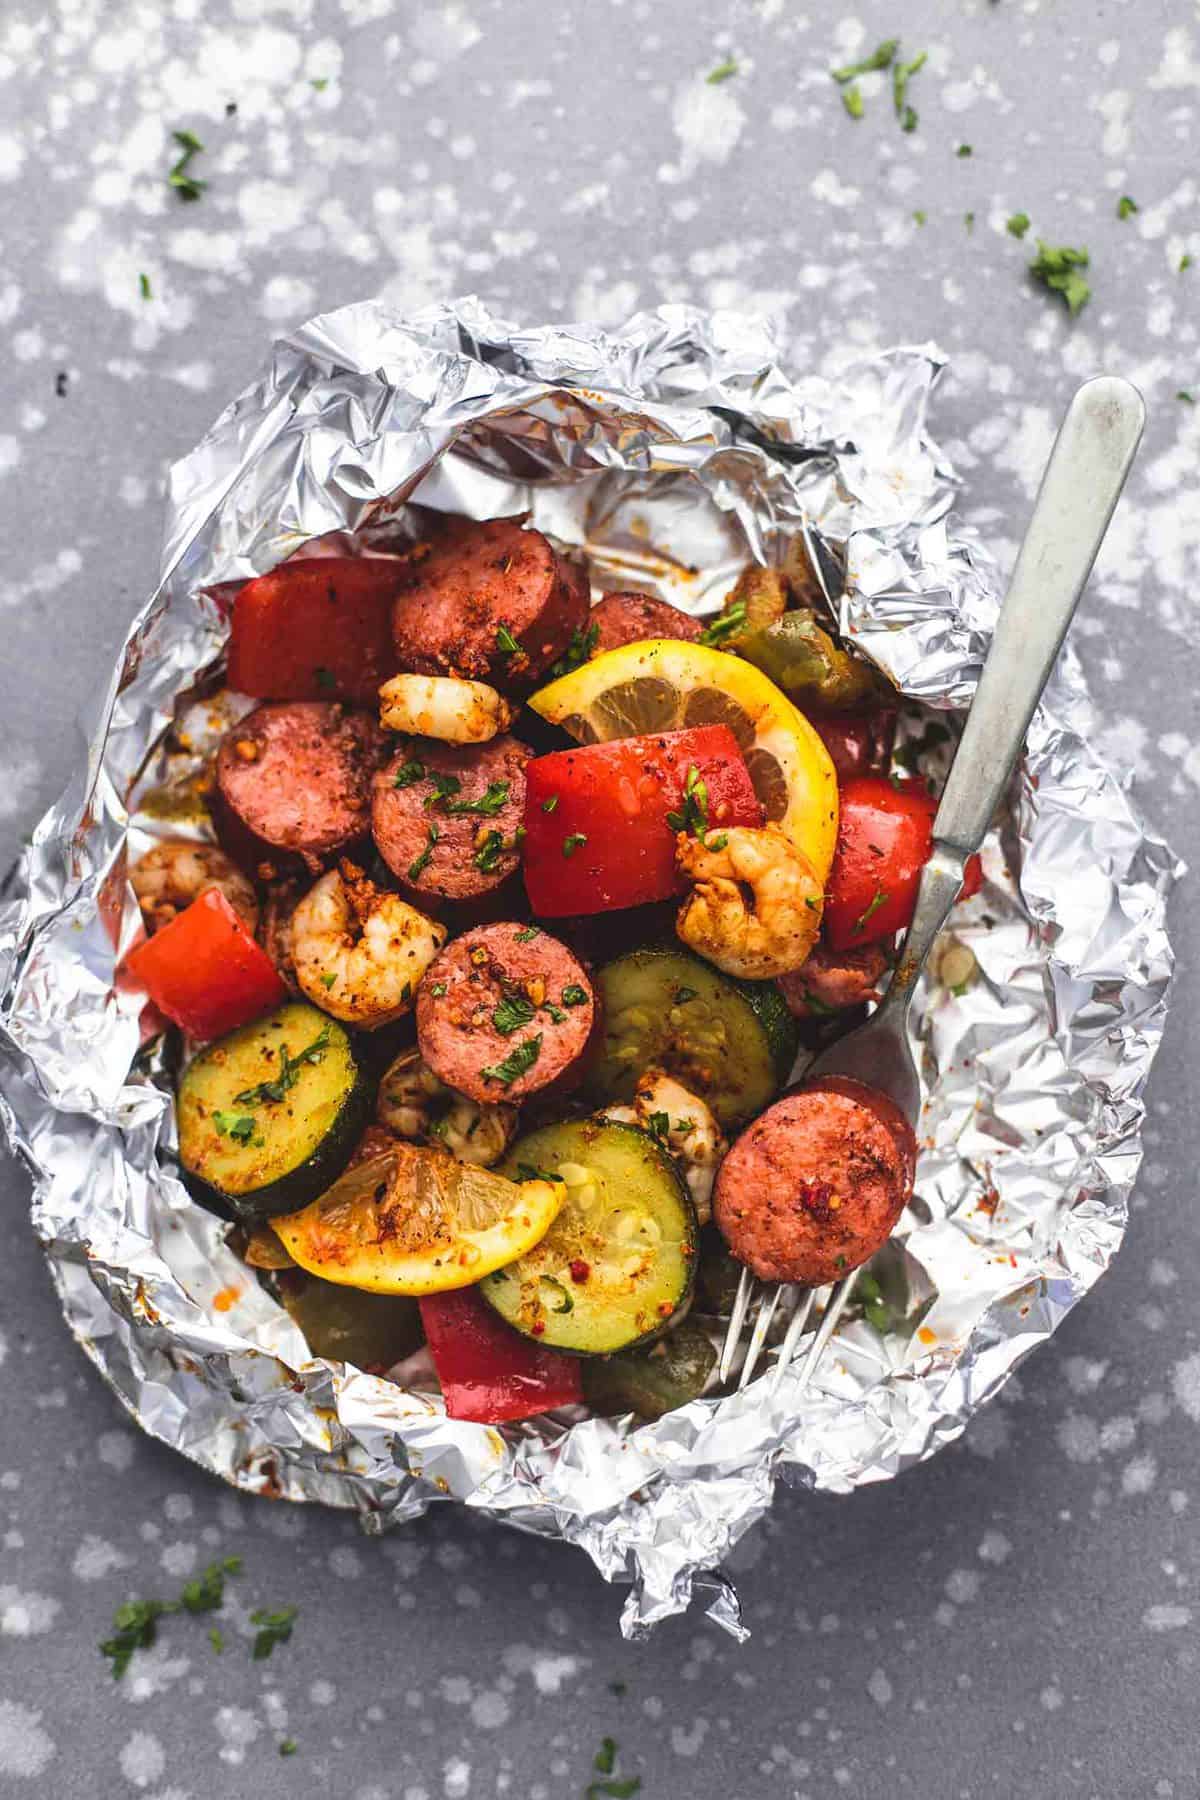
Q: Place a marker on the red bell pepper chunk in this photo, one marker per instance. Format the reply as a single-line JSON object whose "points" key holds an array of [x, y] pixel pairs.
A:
{"points": [[316, 629], [205, 971], [597, 831], [488, 1372], [885, 837], [859, 743]]}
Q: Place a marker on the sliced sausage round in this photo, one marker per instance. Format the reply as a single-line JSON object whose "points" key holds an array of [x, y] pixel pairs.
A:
{"points": [[629, 618], [490, 601], [814, 1187], [504, 1011], [831, 980], [446, 817], [296, 775]]}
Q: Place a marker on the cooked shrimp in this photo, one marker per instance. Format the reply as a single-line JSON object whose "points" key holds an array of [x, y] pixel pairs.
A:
{"points": [[755, 908], [359, 952], [173, 874], [683, 1124], [414, 1103], [437, 706]]}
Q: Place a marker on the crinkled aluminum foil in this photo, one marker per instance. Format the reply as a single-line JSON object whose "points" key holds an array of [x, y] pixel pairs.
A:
{"points": [[673, 449]]}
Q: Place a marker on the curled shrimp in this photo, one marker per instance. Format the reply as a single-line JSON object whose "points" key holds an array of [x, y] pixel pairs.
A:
{"points": [[358, 951], [415, 1103], [683, 1124], [755, 907], [438, 706], [173, 874]]}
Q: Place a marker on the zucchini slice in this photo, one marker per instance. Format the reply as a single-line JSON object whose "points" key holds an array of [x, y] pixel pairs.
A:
{"points": [[731, 1042], [654, 1381], [617, 1264], [269, 1115]]}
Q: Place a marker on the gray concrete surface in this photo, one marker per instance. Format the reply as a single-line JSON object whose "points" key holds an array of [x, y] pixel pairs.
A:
{"points": [[1019, 1617]]}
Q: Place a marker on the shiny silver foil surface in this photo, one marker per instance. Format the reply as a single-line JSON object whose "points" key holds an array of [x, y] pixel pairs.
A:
{"points": [[672, 451]]}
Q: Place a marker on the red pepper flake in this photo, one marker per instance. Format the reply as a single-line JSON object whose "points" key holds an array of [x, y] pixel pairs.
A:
{"points": [[538, 1326], [579, 1270], [817, 1197]]}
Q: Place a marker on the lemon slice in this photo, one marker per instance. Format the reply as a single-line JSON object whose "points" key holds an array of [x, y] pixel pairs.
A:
{"points": [[415, 1221], [664, 685]]}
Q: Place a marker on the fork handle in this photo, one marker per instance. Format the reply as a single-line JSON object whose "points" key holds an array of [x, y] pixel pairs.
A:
{"points": [[1080, 488]]}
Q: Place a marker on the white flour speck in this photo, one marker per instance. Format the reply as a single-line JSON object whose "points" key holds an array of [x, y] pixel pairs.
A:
{"points": [[994, 1547], [879, 1688], [96, 1558], [708, 122], [1169, 1616], [26, 1615], [25, 1749], [1185, 1384], [142, 1760], [456, 1778], [116, 1449]]}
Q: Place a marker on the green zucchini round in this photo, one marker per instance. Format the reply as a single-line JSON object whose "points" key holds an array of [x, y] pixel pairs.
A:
{"points": [[654, 1381], [618, 1263], [269, 1116], [731, 1042]]}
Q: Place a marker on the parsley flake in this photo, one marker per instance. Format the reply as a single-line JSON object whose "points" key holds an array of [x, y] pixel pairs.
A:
{"points": [[574, 995], [325, 679], [289, 1746], [288, 1076], [579, 648], [722, 72], [507, 643], [572, 842], [882, 57], [1017, 224], [237, 1126], [188, 187], [421, 862], [1186, 395], [527, 936], [408, 773], [216, 1638], [518, 1062], [487, 856], [1126, 206], [135, 1627], [920, 216], [513, 1012], [965, 150], [1185, 263], [879, 899], [206, 1591], [658, 1124], [273, 1628], [682, 995], [902, 74], [549, 803], [486, 805], [144, 287], [852, 100], [1057, 267], [694, 816], [605, 1760]]}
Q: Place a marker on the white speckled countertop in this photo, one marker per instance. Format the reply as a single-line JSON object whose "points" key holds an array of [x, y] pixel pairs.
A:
{"points": [[1020, 1616]]}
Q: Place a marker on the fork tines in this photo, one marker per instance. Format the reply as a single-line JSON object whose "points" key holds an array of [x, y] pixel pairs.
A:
{"points": [[769, 1298]]}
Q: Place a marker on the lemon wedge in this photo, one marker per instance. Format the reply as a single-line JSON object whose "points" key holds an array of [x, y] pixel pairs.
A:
{"points": [[665, 685], [415, 1221]]}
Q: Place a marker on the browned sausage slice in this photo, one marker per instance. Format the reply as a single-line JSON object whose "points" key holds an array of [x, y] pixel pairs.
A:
{"points": [[446, 818], [490, 601], [504, 1011], [815, 1185], [296, 775], [833, 979], [629, 618]]}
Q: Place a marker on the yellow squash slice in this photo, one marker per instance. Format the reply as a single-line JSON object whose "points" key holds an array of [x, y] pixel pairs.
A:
{"points": [[415, 1221], [666, 685]]}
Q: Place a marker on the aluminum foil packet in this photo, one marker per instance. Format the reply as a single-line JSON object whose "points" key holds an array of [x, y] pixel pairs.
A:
{"points": [[672, 451]]}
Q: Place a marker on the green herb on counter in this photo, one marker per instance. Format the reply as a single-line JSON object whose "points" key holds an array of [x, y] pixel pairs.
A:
{"points": [[1057, 267]]}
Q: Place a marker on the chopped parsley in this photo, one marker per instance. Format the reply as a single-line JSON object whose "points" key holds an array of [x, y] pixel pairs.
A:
{"points": [[487, 857], [216, 1638], [606, 1757], [969, 220], [273, 1628], [882, 57], [408, 773], [726, 626], [902, 74], [144, 287], [492, 800], [288, 1746], [506, 642], [852, 100], [513, 1012], [1017, 224], [188, 187], [438, 989], [320, 83], [239, 1127], [579, 648], [289, 1072], [135, 1627], [205, 1592], [722, 72], [1057, 267], [1186, 395], [556, 1013], [1126, 207], [1185, 263], [518, 1062], [682, 995], [574, 995], [444, 786], [879, 899], [658, 1124], [572, 842], [327, 981], [920, 216], [694, 816], [420, 863], [325, 679], [965, 150], [527, 936], [549, 803]]}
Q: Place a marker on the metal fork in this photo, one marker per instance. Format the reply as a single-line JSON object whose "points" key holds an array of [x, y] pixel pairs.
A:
{"points": [[1080, 488]]}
